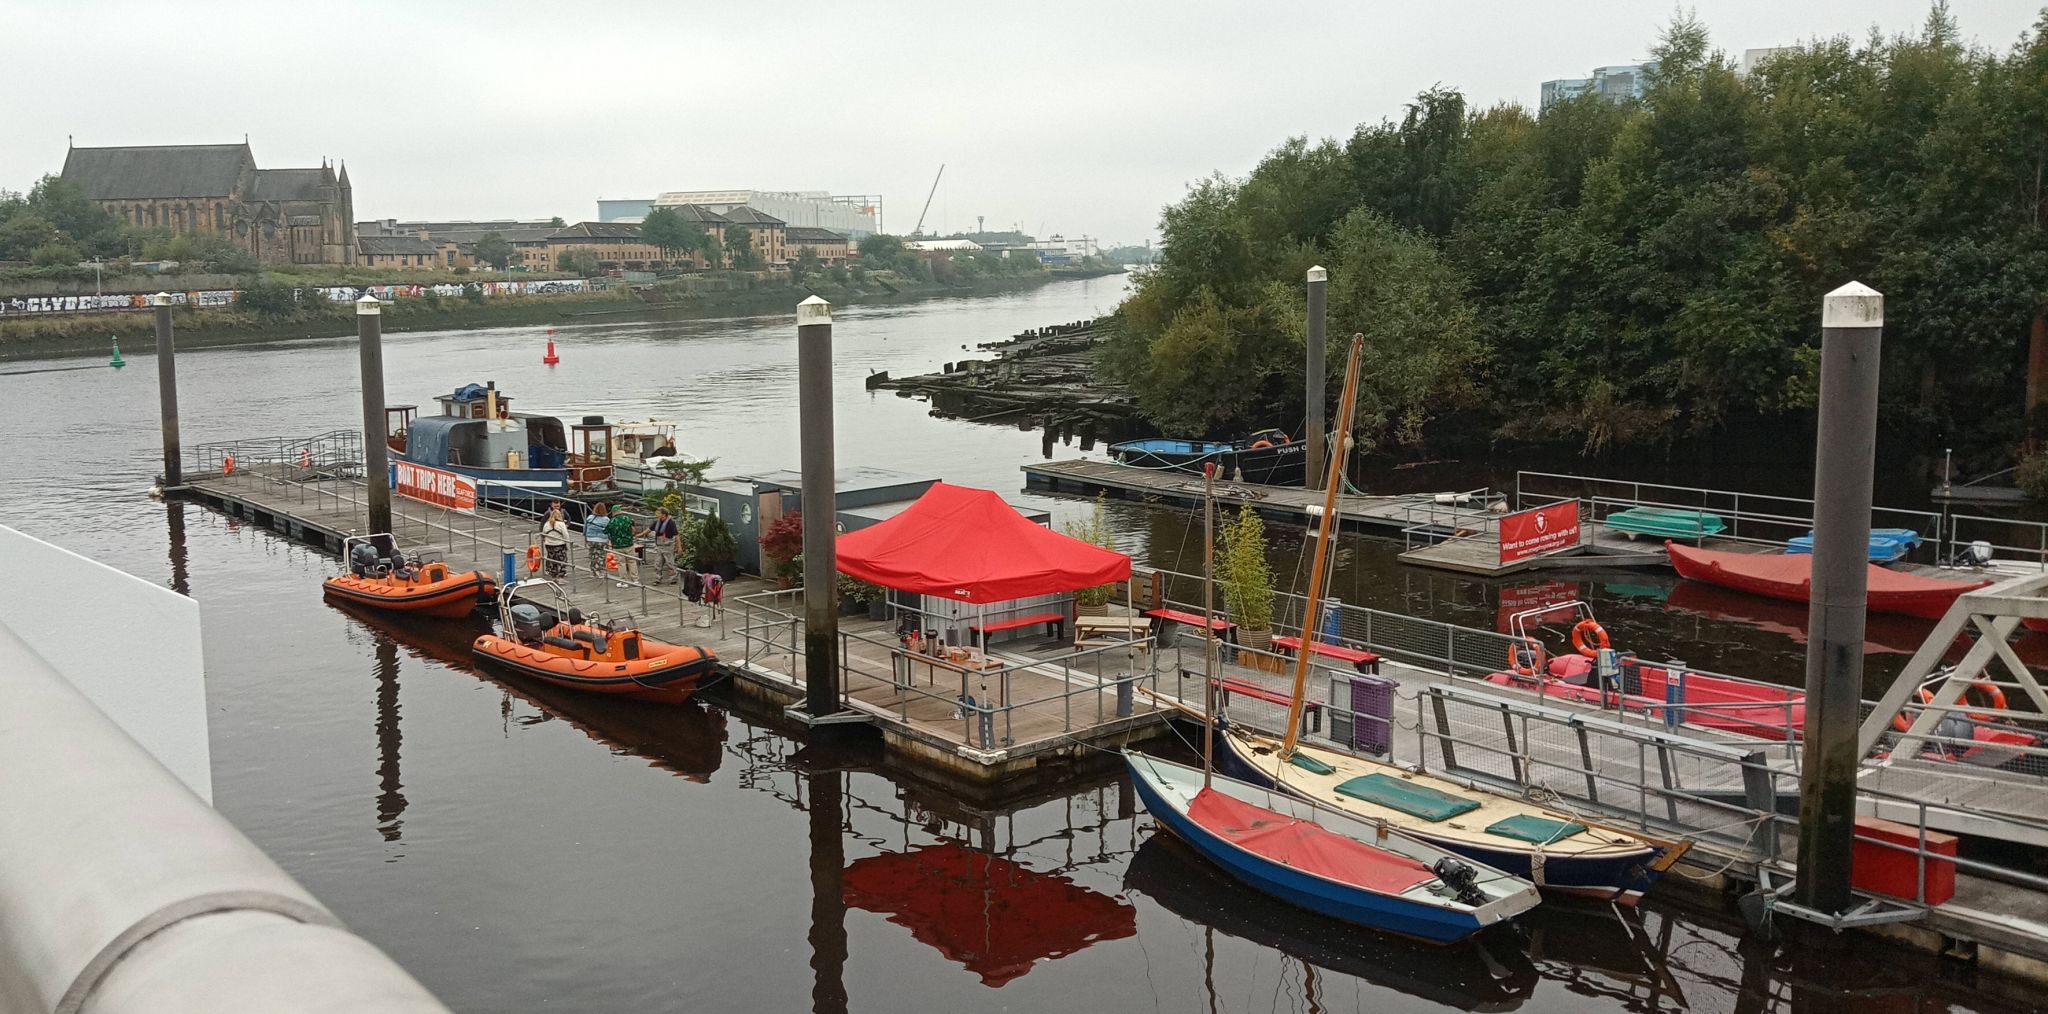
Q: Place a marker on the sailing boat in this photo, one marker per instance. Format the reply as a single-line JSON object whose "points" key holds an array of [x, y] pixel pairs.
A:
{"points": [[1560, 851], [1309, 855]]}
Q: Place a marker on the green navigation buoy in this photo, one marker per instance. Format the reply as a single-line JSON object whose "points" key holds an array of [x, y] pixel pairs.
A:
{"points": [[117, 362]]}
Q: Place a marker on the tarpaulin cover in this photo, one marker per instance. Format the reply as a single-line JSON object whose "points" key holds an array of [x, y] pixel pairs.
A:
{"points": [[1791, 577], [992, 915], [968, 545], [1406, 796], [1537, 830], [427, 440], [1306, 846]]}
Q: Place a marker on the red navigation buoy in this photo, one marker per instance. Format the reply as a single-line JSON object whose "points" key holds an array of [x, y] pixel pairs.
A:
{"points": [[551, 359]]}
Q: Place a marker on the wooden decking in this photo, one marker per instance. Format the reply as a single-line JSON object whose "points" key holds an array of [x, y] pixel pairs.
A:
{"points": [[1061, 711]]}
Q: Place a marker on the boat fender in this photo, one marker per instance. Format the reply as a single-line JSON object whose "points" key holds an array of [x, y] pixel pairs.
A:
{"points": [[1589, 637]]}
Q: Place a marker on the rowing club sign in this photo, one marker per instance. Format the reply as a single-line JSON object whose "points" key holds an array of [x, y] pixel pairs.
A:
{"points": [[1539, 531]]}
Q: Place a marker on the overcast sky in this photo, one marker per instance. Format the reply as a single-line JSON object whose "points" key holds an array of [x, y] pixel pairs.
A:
{"points": [[1062, 117]]}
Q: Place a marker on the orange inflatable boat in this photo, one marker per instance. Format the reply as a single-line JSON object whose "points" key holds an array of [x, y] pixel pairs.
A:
{"points": [[423, 587], [563, 647]]}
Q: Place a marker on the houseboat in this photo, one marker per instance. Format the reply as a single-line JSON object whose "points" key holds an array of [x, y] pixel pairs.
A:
{"points": [[511, 456]]}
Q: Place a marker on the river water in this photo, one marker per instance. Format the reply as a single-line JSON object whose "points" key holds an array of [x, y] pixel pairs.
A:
{"points": [[520, 849]]}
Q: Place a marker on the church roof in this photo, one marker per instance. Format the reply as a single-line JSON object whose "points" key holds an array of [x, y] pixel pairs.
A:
{"points": [[172, 170], [748, 216], [290, 184], [390, 246]]}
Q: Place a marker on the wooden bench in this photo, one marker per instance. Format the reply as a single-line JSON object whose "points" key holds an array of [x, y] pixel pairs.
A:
{"points": [[1054, 624], [1311, 714], [1363, 661]]}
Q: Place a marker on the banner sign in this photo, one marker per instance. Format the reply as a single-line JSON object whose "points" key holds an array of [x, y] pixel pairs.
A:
{"points": [[1536, 532], [434, 486]]}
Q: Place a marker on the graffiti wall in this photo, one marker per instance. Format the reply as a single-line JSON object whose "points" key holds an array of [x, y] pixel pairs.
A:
{"points": [[13, 306]]}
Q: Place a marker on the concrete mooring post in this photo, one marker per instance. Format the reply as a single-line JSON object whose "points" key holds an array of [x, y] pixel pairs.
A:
{"points": [[1852, 331], [376, 457], [167, 389], [821, 592], [1315, 432]]}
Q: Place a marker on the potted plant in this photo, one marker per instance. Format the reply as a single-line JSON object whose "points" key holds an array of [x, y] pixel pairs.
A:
{"points": [[1094, 530], [781, 544], [1247, 579], [715, 548], [858, 596]]}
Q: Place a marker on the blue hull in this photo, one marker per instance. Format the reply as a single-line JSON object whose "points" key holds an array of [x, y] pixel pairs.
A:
{"points": [[1364, 908], [1624, 877]]}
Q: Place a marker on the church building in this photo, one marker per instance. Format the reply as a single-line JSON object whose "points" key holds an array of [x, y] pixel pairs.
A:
{"points": [[282, 216]]}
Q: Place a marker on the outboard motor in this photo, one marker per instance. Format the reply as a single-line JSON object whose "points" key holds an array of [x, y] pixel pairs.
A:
{"points": [[362, 559], [1461, 879], [527, 625]]}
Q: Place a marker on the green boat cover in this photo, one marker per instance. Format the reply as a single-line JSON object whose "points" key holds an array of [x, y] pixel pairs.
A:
{"points": [[1407, 797], [1533, 829], [1666, 522], [1310, 764]]}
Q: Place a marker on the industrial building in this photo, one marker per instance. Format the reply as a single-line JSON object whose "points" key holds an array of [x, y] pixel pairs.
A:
{"points": [[854, 216]]}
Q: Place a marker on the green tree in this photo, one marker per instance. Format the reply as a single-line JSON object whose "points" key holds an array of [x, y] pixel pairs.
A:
{"points": [[493, 249], [879, 252], [739, 247], [665, 228], [56, 253], [804, 266], [23, 232], [557, 222]]}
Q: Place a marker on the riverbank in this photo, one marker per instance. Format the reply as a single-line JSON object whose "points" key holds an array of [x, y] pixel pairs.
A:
{"points": [[209, 327]]}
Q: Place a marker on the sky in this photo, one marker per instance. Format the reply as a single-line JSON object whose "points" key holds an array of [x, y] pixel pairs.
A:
{"points": [[1069, 118]]}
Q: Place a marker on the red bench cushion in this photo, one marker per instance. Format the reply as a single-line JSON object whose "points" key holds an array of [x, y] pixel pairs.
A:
{"points": [[1327, 650], [1191, 619], [1023, 621]]}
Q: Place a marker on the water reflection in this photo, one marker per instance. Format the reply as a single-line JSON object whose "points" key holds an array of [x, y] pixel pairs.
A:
{"points": [[828, 909], [390, 783], [174, 527]]}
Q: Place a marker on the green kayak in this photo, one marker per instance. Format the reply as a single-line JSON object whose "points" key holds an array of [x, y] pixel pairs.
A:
{"points": [[1665, 523]]}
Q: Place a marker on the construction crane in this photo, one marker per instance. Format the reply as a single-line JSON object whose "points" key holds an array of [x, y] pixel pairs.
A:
{"points": [[919, 231]]}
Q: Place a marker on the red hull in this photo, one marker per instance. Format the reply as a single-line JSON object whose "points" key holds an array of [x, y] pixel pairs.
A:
{"points": [[1706, 702], [451, 598], [1790, 577], [666, 674]]}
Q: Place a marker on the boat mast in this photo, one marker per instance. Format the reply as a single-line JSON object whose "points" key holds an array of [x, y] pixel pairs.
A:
{"points": [[1340, 447], [1208, 620]]}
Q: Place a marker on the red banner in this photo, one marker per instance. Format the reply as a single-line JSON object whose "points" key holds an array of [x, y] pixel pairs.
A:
{"points": [[1536, 532], [434, 486]]}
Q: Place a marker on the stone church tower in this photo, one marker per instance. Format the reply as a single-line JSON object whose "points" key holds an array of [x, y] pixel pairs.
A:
{"points": [[283, 216]]}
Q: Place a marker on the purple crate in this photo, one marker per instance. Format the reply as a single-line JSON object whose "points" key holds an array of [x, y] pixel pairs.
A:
{"points": [[1372, 711]]}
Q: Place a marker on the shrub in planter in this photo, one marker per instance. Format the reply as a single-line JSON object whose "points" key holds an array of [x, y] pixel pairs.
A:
{"points": [[1093, 530], [781, 544], [1246, 577], [715, 548]]}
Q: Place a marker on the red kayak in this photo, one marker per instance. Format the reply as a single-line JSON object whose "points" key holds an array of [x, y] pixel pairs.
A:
{"points": [[1790, 577]]}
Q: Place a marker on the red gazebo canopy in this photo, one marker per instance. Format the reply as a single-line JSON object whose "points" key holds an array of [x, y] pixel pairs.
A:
{"points": [[967, 544], [994, 916]]}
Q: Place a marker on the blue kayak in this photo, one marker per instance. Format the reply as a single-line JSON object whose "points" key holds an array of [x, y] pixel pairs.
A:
{"points": [[1887, 545]]}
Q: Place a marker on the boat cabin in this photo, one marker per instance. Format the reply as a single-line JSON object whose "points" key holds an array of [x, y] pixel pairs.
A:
{"points": [[590, 457], [398, 419], [476, 401]]}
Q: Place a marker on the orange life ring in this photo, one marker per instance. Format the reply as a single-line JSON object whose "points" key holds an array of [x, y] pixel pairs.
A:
{"points": [[1515, 656], [611, 560], [532, 559], [1901, 722], [1262, 444], [228, 465], [1995, 696], [1589, 630], [305, 457]]}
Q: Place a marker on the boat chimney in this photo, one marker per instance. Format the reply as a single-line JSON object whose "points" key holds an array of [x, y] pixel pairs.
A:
{"points": [[1851, 335], [490, 399]]}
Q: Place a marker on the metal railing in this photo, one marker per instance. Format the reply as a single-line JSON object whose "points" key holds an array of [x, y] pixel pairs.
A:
{"points": [[319, 474], [979, 691]]}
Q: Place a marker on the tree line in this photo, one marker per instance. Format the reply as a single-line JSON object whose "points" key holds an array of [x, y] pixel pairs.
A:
{"points": [[1608, 274], [54, 227]]}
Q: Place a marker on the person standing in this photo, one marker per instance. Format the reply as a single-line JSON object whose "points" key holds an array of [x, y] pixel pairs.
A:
{"points": [[666, 544], [596, 538], [554, 541], [620, 528]]}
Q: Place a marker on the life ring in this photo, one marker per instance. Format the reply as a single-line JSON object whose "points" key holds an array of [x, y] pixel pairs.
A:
{"points": [[1992, 694], [532, 559], [1515, 662], [1901, 722], [305, 457], [611, 560], [1589, 630], [228, 465], [1261, 444]]}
